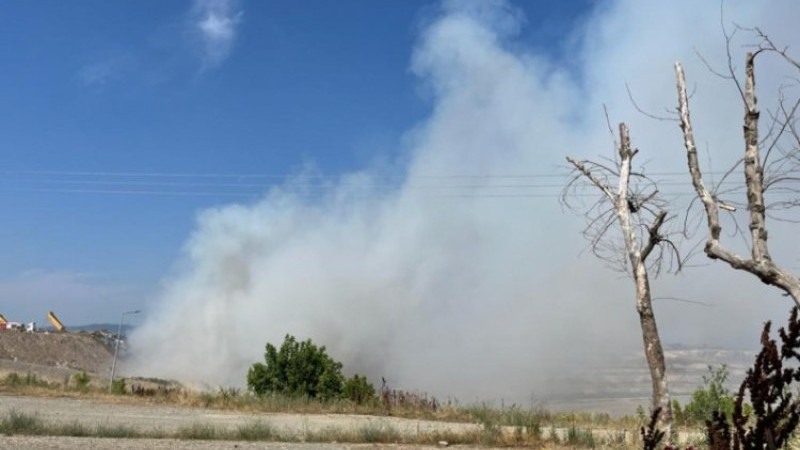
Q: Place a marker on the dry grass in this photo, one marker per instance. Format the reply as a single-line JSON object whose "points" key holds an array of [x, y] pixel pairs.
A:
{"points": [[15, 423], [507, 426]]}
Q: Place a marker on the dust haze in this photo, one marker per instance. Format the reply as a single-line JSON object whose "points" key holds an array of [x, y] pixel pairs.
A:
{"points": [[476, 287]]}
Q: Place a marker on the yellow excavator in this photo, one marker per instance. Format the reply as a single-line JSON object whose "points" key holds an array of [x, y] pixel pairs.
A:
{"points": [[3, 321], [51, 316]]}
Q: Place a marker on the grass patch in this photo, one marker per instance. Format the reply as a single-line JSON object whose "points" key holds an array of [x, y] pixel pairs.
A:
{"points": [[257, 431], [580, 438], [74, 429], [122, 431], [16, 422], [19, 423], [199, 431], [14, 379], [377, 435]]}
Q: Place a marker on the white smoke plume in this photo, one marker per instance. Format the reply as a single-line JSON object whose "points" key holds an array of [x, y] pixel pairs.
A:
{"points": [[477, 294]]}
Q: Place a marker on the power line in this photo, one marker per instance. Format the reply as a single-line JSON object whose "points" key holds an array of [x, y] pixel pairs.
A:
{"points": [[300, 194], [306, 176], [248, 185], [145, 183]]}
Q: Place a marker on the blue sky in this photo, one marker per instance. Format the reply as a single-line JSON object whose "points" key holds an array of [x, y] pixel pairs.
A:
{"points": [[97, 87]]}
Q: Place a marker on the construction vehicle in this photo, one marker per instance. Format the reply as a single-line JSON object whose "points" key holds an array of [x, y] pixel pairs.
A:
{"points": [[3, 321], [56, 323]]}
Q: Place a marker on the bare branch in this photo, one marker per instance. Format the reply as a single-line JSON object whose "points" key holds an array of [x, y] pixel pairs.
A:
{"points": [[760, 263], [711, 68], [728, 173], [753, 171], [650, 115], [588, 174], [728, 39], [767, 44], [709, 203], [654, 238], [678, 299]]}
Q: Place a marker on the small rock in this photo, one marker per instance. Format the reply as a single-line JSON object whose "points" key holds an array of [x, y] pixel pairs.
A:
{"points": [[443, 444]]}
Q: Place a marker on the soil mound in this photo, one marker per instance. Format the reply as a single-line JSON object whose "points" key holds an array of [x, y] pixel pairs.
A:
{"points": [[79, 351]]}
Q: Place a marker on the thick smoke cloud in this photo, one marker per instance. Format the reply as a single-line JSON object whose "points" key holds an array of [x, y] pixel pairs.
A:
{"points": [[468, 291]]}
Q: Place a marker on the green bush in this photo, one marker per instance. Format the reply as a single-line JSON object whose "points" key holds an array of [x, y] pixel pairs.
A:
{"points": [[298, 369], [359, 390], [118, 387], [81, 379], [713, 396]]}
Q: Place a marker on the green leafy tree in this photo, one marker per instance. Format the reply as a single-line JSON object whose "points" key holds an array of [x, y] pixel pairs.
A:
{"points": [[298, 369]]}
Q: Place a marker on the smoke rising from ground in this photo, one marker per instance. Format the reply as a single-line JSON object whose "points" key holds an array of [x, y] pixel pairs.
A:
{"points": [[468, 291]]}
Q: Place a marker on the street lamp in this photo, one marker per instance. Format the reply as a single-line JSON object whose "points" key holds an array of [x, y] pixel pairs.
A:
{"points": [[116, 347]]}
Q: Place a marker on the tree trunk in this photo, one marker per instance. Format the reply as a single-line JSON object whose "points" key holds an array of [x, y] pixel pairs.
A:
{"points": [[644, 305], [653, 351], [636, 254]]}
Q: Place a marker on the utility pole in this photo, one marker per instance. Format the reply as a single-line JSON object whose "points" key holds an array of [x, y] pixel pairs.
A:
{"points": [[116, 347]]}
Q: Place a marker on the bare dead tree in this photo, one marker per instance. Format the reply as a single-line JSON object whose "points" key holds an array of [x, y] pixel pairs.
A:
{"points": [[771, 163], [629, 203]]}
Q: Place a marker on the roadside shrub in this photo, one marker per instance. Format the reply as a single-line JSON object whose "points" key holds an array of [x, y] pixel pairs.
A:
{"points": [[359, 390], [118, 387], [13, 379], [297, 369], [81, 380]]}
